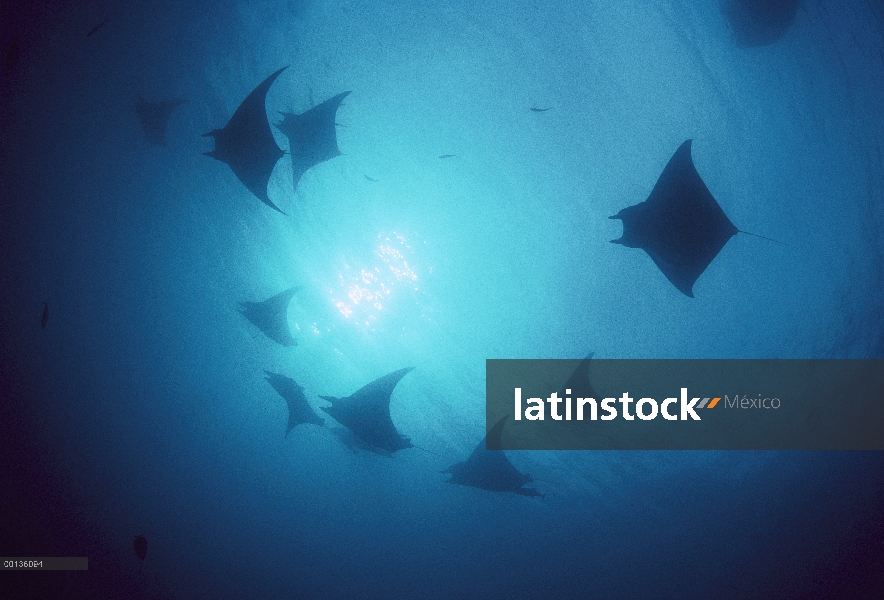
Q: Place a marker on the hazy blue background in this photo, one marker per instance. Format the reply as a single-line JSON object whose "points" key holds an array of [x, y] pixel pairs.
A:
{"points": [[141, 407]]}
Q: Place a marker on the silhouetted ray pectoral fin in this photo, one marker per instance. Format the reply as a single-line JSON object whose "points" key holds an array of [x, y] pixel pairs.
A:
{"points": [[680, 225], [682, 276], [246, 143], [300, 410], [489, 469], [377, 393], [312, 136], [493, 437], [367, 413], [271, 316], [759, 23], [578, 384]]}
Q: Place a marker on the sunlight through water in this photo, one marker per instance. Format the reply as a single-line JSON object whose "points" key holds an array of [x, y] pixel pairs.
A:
{"points": [[367, 290]]}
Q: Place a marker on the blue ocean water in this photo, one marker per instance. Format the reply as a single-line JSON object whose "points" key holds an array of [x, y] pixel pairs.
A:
{"points": [[141, 407]]}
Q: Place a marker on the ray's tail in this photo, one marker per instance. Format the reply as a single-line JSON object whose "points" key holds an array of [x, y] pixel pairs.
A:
{"points": [[766, 238], [428, 451]]}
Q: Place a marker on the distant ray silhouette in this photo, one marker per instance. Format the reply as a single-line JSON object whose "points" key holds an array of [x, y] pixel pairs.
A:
{"points": [[312, 136], [759, 22], [247, 145], [271, 316], [300, 410], [367, 413], [489, 469], [680, 225], [154, 117], [579, 384]]}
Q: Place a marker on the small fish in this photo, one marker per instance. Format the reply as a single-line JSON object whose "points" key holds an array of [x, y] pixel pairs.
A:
{"points": [[140, 546], [12, 54], [45, 318], [96, 28], [371, 179], [535, 109], [448, 156]]}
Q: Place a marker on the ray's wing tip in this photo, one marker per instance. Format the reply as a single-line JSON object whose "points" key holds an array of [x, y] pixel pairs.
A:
{"points": [[685, 287], [272, 77], [403, 372], [686, 146], [266, 200]]}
